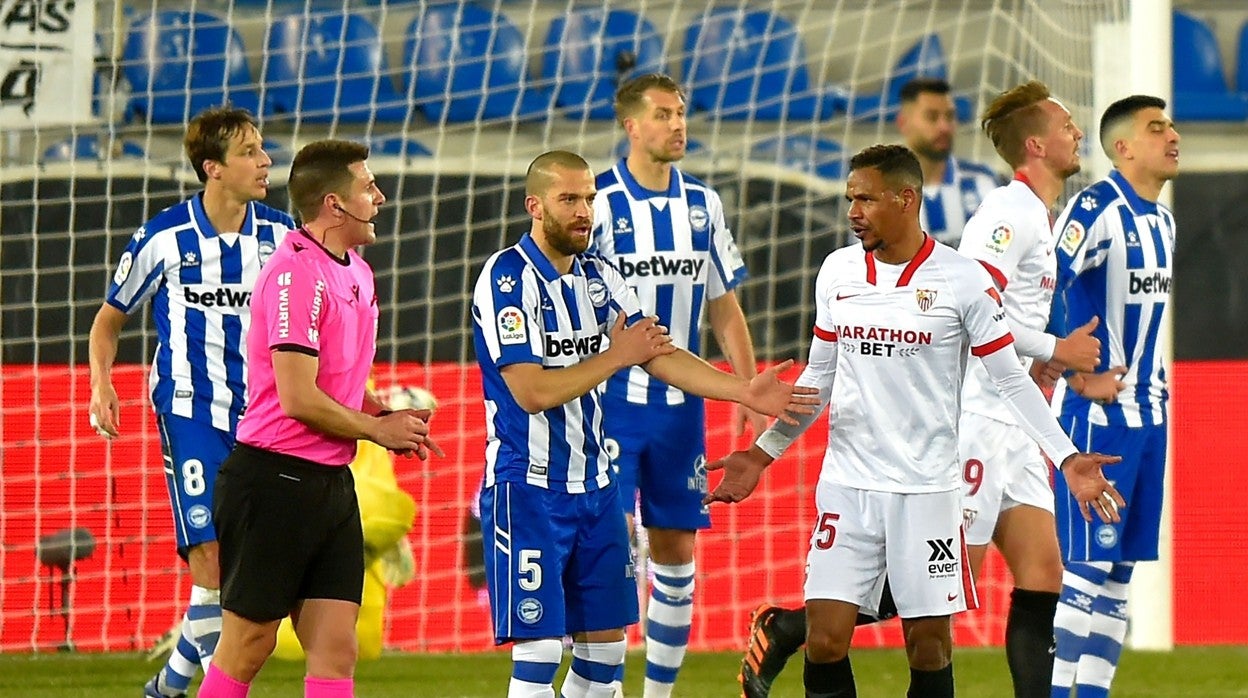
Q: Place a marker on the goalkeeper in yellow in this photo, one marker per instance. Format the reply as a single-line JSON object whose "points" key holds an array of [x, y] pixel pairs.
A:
{"points": [[387, 513]]}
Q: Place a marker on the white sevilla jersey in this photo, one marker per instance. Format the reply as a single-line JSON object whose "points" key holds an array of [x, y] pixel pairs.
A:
{"points": [[947, 206], [1011, 236], [903, 335], [675, 250], [1115, 256]]}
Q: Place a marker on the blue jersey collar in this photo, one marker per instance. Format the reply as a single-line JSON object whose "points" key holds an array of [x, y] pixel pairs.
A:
{"points": [[1139, 206], [542, 263], [639, 192], [205, 226]]}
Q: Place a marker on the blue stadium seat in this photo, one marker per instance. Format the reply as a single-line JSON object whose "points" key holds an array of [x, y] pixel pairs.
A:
{"points": [[87, 147], [397, 146], [1200, 88], [589, 52], [330, 66], [465, 62], [821, 157], [926, 59], [742, 64], [179, 63]]}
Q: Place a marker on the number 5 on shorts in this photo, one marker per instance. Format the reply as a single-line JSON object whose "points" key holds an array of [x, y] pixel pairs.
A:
{"points": [[825, 531], [530, 569]]}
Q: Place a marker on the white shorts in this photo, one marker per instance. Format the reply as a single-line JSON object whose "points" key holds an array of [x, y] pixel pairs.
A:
{"points": [[1001, 469], [916, 539]]}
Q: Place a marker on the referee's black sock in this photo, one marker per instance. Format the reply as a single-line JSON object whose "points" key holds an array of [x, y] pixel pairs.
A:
{"points": [[831, 680], [931, 684], [1029, 642]]}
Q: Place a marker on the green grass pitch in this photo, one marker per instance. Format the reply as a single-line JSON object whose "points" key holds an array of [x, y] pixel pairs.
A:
{"points": [[1215, 672]]}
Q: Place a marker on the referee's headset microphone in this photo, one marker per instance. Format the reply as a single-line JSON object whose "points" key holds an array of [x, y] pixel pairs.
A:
{"points": [[354, 217]]}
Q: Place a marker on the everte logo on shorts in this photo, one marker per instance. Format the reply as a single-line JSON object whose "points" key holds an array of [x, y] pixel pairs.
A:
{"points": [[199, 516], [942, 562], [529, 610]]}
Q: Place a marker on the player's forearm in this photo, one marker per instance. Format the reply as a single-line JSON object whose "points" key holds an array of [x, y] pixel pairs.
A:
{"points": [[693, 375], [102, 343], [536, 389], [1026, 402], [733, 334], [820, 372], [1032, 343]]}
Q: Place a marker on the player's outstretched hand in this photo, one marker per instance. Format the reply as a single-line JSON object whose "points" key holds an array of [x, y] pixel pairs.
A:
{"points": [[105, 411], [643, 340], [1101, 387], [742, 469], [1087, 483], [770, 395], [1080, 350]]}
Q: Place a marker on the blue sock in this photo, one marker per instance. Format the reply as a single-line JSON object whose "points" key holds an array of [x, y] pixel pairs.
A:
{"points": [[1081, 585], [668, 619], [204, 618], [1101, 652]]}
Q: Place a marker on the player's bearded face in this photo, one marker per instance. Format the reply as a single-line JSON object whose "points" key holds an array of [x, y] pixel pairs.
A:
{"points": [[662, 126], [877, 214], [569, 233], [929, 124]]}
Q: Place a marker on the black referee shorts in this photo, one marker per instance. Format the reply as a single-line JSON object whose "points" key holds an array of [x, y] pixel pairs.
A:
{"points": [[289, 530]]}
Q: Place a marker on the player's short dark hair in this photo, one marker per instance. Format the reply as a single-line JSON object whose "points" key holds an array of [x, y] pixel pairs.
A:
{"points": [[1123, 110], [208, 135], [539, 176], [320, 168], [629, 96], [911, 90], [1013, 117], [896, 163]]}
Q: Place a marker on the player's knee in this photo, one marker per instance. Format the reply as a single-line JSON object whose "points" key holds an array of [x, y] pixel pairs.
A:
{"points": [[824, 645], [928, 651], [333, 658]]}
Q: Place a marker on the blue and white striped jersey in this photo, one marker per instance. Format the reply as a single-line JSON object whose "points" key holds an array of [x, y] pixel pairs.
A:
{"points": [[1115, 253], [948, 207], [675, 250], [199, 281], [524, 311]]}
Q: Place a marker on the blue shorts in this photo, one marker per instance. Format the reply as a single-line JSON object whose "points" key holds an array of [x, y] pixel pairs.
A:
{"points": [[660, 452], [193, 454], [1140, 478], [556, 563]]}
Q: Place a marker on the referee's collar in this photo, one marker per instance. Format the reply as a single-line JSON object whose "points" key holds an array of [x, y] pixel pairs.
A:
{"points": [[542, 263], [1139, 206]]}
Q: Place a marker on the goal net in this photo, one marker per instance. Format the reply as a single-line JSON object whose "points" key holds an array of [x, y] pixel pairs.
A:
{"points": [[455, 98]]}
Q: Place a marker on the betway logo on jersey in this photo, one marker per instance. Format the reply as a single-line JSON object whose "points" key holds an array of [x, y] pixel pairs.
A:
{"points": [[573, 346], [1146, 282], [668, 264], [216, 297]]}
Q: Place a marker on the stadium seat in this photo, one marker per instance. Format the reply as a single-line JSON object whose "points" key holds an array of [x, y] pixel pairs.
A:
{"points": [[465, 62], [926, 58], [87, 147], [397, 146], [742, 64], [821, 157], [589, 52], [330, 66], [179, 63], [1200, 88]]}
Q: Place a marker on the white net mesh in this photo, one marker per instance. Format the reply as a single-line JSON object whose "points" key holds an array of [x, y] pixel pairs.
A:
{"points": [[781, 92]]}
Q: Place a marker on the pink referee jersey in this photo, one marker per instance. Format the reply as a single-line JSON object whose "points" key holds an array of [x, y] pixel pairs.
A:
{"points": [[309, 301]]}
